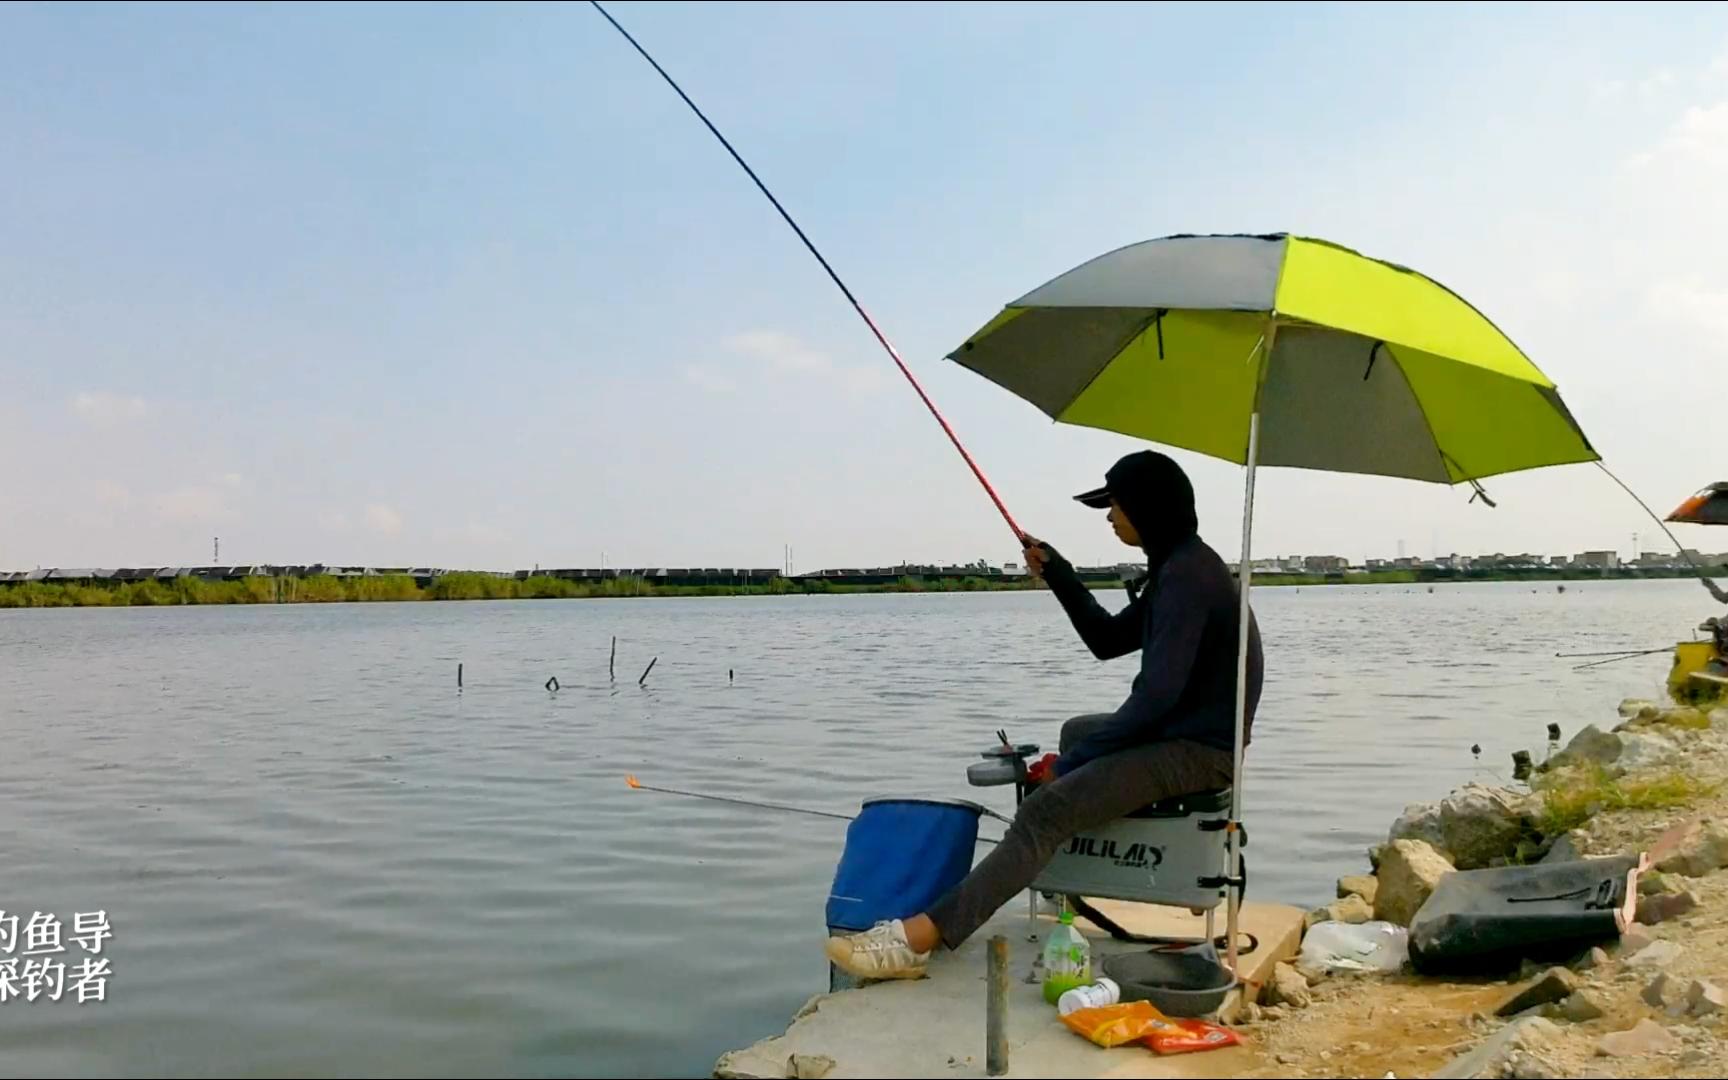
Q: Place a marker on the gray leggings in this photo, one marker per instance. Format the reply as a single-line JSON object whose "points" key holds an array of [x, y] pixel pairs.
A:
{"points": [[1096, 793]]}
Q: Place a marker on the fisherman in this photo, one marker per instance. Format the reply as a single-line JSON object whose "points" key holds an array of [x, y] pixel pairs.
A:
{"points": [[1174, 735]]}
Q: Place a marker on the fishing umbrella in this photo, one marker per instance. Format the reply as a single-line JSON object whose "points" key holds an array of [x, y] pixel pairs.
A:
{"points": [[1708, 507], [1278, 350]]}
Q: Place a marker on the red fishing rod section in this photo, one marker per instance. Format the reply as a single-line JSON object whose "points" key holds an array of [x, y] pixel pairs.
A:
{"points": [[888, 346]]}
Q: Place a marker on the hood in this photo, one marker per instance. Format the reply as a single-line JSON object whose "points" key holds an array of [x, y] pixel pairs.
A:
{"points": [[1157, 497]]}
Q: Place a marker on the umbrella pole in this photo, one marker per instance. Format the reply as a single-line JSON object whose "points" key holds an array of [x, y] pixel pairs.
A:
{"points": [[1232, 878]]}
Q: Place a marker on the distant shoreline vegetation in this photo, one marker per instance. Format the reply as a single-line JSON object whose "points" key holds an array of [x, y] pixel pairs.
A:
{"points": [[327, 589]]}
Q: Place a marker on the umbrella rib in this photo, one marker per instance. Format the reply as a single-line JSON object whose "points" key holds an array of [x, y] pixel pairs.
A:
{"points": [[1111, 357], [1433, 436]]}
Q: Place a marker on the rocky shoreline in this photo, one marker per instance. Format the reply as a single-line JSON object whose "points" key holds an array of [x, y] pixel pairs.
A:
{"points": [[1646, 788]]}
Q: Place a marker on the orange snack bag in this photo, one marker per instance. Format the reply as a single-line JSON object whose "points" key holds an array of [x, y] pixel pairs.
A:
{"points": [[1188, 1036], [1116, 1025]]}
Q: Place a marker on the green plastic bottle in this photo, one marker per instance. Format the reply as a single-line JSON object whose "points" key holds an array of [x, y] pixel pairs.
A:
{"points": [[1067, 958]]}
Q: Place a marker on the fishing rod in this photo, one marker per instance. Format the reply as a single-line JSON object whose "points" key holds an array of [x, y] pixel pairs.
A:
{"points": [[893, 353], [637, 785], [1663, 525], [1617, 659], [1611, 652]]}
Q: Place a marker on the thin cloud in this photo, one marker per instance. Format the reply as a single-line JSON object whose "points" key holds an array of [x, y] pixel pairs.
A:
{"points": [[1698, 140], [780, 350], [708, 379], [1690, 304], [194, 503], [111, 494], [384, 520], [789, 355], [103, 409]]}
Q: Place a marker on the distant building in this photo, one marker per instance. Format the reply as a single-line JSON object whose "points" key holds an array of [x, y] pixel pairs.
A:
{"points": [[1597, 560], [1325, 564]]}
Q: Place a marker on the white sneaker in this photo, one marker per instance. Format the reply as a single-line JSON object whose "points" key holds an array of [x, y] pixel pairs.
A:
{"points": [[878, 953]]}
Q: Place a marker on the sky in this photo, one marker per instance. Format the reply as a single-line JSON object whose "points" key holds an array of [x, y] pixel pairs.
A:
{"points": [[468, 286]]}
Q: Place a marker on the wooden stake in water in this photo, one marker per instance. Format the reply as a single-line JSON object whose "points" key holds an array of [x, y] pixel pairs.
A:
{"points": [[996, 1009], [612, 664], [644, 679], [458, 676]]}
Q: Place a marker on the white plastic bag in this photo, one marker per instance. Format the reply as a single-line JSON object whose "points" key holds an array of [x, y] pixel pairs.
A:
{"points": [[1371, 946]]}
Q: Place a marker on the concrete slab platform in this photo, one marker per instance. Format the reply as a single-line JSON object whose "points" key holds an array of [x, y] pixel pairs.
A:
{"points": [[935, 1026]]}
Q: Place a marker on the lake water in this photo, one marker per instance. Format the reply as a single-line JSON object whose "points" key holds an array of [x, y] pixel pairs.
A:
{"points": [[317, 858]]}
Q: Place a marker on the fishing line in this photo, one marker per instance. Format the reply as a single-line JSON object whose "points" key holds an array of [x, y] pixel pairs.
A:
{"points": [[882, 338], [637, 785]]}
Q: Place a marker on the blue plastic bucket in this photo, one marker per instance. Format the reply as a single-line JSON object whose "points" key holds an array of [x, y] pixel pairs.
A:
{"points": [[901, 856]]}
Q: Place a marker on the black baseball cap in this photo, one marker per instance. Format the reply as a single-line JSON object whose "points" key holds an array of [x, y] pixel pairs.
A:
{"points": [[1137, 474]]}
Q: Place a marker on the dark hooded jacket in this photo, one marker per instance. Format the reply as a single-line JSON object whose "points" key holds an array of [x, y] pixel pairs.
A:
{"points": [[1185, 623]]}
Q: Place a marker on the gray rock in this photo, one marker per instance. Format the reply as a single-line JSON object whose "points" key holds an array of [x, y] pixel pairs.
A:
{"points": [[1583, 1006], [1719, 719], [809, 1066], [1593, 960], [1420, 821], [1556, 984], [1702, 849], [1354, 909], [1363, 885], [1645, 750], [1409, 871], [1492, 1055], [1351, 909], [1705, 999], [1634, 708], [1634, 939], [1288, 1059], [1568, 848], [1289, 988], [1659, 992], [1693, 1058], [1479, 824], [1664, 906], [1526, 1066], [1655, 956], [1591, 746], [1648, 1037]]}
